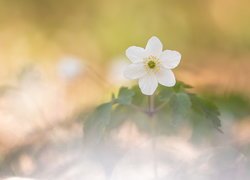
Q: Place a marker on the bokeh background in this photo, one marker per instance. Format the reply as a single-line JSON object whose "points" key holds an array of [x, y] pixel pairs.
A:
{"points": [[60, 58]]}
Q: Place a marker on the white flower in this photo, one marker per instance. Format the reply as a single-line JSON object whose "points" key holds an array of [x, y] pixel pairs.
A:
{"points": [[152, 65]]}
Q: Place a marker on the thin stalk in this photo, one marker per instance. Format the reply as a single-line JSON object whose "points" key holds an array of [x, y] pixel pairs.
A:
{"points": [[151, 105], [160, 107], [151, 112]]}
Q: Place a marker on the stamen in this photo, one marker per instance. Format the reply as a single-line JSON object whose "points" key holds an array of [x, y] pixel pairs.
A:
{"points": [[152, 63]]}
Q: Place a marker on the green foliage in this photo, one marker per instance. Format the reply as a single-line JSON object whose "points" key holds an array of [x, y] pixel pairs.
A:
{"points": [[96, 125], [180, 104], [206, 109], [125, 96], [166, 94], [181, 87], [234, 104], [174, 107]]}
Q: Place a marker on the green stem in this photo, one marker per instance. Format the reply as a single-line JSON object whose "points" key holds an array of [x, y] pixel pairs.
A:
{"points": [[160, 107], [151, 112], [151, 105]]}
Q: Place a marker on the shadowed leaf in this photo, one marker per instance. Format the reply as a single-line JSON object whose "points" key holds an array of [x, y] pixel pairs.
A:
{"points": [[125, 96], [96, 124], [207, 109]]}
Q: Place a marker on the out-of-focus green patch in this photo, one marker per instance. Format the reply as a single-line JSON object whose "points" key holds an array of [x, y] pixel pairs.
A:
{"points": [[207, 109], [1, 160], [125, 96], [96, 124], [235, 104]]}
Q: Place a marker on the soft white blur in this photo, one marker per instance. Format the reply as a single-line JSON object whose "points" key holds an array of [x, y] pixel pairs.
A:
{"points": [[17, 178], [177, 158], [70, 67]]}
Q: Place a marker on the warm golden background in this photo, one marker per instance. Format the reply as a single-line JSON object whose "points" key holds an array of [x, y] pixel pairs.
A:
{"points": [[213, 36], [59, 57]]}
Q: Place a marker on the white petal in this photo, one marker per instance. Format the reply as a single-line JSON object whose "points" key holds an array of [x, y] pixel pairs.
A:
{"points": [[148, 84], [166, 77], [170, 59], [154, 47], [135, 54], [135, 71]]}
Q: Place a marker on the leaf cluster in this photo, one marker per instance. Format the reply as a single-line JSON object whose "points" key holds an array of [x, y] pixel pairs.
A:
{"points": [[174, 108]]}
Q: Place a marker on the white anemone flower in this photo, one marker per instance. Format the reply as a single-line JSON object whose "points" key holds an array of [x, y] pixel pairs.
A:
{"points": [[152, 65]]}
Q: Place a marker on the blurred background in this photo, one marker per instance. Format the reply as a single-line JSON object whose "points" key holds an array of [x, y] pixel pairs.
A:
{"points": [[60, 58]]}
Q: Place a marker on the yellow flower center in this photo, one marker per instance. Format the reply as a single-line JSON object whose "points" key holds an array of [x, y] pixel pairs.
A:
{"points": [[152, 63]]}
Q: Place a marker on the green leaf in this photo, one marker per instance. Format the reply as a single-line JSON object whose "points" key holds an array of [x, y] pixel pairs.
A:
{"points": [[119, 115], [165, 94], [96, 124], [181, 87], [237, 105], [125, 96], [180, 105], [139, 98], [207, 109]]}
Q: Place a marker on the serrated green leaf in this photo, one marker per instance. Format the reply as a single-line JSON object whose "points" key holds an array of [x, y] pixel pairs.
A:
{"points": [[180, 104], [237, 105], [175, 114], [125, 96], [207, 109]]}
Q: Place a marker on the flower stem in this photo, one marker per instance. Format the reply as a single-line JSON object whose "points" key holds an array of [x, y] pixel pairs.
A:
{"points": [[151, 105], [151, 112]]}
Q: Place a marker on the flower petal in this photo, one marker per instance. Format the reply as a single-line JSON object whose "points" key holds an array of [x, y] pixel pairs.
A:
{"points": [[154, 47], [170, 59], [148, 84], [135, 71], [135, 54], [166, 77]]}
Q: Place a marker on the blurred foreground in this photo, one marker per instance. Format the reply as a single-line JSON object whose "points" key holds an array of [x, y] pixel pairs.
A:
{"points": [[47, 141]]}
